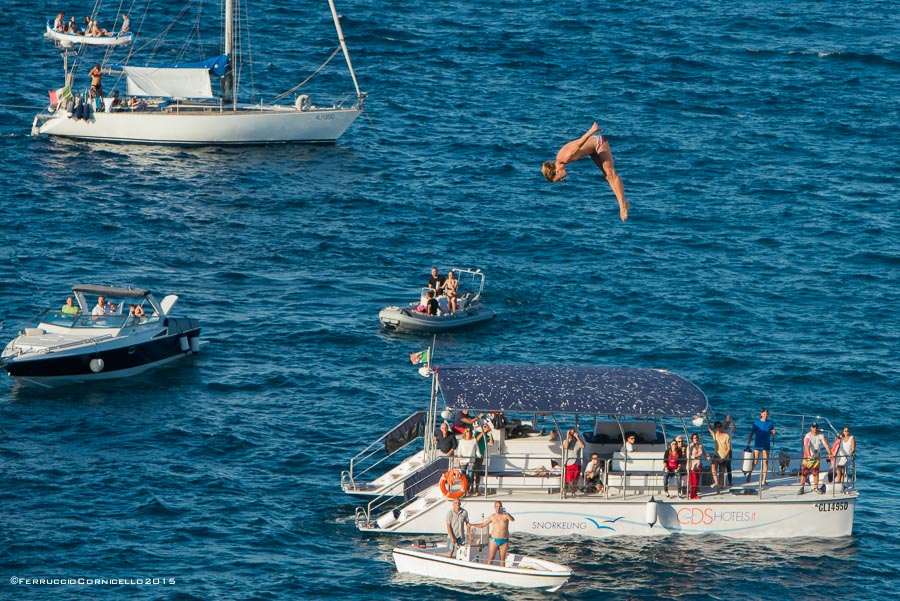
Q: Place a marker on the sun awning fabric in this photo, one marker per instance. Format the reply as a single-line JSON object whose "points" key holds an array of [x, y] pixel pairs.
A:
{"points": [[573, 390], [113, 291], [168, 82]]}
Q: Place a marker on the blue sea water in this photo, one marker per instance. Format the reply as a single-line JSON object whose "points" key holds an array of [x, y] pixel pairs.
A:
{"points": [[758, 147]]}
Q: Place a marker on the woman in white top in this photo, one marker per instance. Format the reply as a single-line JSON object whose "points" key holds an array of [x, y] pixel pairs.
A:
{"points": [[844, 448], [467, 452]]}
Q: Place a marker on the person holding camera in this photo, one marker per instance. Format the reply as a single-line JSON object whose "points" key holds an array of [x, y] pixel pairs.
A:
{"points": [[499, 523]]}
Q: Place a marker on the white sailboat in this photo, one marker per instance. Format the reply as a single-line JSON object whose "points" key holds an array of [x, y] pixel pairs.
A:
{"points": [[176, 105]]}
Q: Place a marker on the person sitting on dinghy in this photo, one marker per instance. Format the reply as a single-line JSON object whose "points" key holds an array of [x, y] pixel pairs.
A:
{"points": [[432, 307], [72, 28], [126, 25], [60, 23]]}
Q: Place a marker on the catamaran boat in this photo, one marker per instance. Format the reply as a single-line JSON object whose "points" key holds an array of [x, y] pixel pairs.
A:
{"points": [[131, 333], [469, 563], [176, 103], [469, 311], [603, 404]]}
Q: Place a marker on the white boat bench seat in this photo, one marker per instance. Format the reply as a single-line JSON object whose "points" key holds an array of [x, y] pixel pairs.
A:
{"points": [[522, 479], [641, 470]]}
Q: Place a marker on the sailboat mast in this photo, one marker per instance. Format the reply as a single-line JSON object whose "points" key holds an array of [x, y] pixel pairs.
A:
{"points": [[340, 32], [229, 89]]}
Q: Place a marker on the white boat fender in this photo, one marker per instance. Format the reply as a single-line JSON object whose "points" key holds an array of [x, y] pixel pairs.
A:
{"points": [[747, 465], [97, 365], [303, 103], [195, 344], [183, 343], [650, 511]]}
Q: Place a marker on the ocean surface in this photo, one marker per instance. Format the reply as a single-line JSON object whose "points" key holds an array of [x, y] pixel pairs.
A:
{"points": [[758, 146]]}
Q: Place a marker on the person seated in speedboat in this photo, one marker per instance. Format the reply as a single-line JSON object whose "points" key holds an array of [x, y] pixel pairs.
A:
{"points": [[69, 308], [99, 309]]}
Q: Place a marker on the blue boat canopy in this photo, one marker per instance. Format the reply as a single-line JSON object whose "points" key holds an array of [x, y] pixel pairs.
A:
{"points": [[573, 390], [217, 65]]}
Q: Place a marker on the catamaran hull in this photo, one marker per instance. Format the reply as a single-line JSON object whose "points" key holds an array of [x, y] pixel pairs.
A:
{"points": [[406, 319], [817, 516], [116, 358], [203, 128]]}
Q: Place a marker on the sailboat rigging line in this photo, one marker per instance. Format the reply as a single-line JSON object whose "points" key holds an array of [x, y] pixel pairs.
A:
{"points": [[302, 83]]}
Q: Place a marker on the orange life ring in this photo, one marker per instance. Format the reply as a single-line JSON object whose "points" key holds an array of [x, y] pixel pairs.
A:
{"points": [[448, 482]]}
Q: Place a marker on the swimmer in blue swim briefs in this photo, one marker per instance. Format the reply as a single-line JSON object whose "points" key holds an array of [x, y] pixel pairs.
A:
{"points": [[596, 147], [499, 523]]}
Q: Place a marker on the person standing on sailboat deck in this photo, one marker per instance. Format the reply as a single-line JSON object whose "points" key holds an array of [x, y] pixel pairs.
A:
{"points": [[96, 81], [596, 147]]}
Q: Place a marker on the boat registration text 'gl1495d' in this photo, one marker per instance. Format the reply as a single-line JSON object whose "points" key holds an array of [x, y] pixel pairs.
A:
{"points": [[833, 506]]}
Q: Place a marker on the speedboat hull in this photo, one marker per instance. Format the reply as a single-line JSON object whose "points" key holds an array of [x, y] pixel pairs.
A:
{"points": [[407, 319], [104, 359], [469, 564]]}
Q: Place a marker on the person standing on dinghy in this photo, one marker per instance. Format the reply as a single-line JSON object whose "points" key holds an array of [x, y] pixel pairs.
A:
{"points": [[457, 526], [499, 523]]}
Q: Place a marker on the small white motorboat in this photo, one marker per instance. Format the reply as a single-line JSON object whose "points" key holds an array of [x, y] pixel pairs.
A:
{"points": [[470, 564], [469, 311]]}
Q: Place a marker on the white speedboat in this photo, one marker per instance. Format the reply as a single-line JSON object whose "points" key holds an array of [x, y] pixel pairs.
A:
{"points": [[470, 564], [470, 310], [604, 404], [81, 344], [177, 104]]}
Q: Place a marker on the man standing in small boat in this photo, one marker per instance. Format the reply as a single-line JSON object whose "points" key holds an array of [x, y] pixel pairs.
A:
{"points": [[596, 147], [457, 525], [499, 523]]}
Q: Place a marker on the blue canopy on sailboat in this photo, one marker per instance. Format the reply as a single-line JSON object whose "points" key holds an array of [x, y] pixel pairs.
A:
{"points": [[217, 65], [573, 390]]}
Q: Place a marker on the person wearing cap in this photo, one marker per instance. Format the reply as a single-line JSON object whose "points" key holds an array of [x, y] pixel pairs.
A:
{"points": [[813, 444]]}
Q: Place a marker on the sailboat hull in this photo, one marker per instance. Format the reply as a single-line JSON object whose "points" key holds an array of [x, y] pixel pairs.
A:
{"points": [[249, 125]]}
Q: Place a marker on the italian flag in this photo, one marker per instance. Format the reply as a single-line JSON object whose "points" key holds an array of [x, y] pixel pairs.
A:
{"points": [[420, 357]]}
